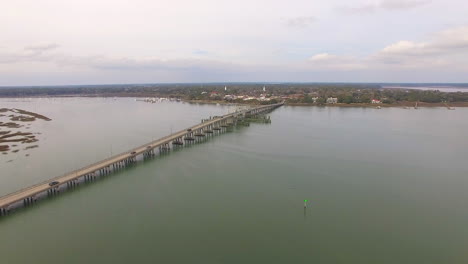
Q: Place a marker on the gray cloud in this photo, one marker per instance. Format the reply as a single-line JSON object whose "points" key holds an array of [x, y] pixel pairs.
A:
{"points": [[383, 5], [402, 4], [364, 9], [200, 52], [42, 47], [47, 54], [300, 22], [29, 53]]}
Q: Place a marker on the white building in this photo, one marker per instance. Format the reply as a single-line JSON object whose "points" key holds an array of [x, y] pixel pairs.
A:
{"points": [[332, 100]]}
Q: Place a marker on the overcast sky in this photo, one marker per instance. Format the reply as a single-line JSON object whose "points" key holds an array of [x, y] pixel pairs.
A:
{"points": [[52, 42]]}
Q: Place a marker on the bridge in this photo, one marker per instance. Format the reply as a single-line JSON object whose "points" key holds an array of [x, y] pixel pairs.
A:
{"points": [[30, 195]]}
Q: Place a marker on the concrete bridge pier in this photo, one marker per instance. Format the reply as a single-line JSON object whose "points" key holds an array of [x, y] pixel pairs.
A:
{"points": [[164, 148], [75, 183], [3, 211], [89, 177], [199, 136], [149, 153], [28, 201], [177, 142], [53, 191], [209, 130], [224, 125], [216, 127], [189, 137]]}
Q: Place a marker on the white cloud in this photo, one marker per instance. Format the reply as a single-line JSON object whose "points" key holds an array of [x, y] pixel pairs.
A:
{"points": [[368, 8], [442, 46], [447, 49], [335, 62]]}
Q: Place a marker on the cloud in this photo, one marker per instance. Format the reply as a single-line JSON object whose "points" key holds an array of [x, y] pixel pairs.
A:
{"points": [[335, 62], [358, 10], [29, 53], [300, 22], [42, 47], [200, 52], [383, 5], [47, 54], [402, 4], [445, 43], [442, 51], [447, 49]]}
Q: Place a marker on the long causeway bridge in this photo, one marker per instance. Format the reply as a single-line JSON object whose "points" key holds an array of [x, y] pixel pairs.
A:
{"points": [[30, 195]]}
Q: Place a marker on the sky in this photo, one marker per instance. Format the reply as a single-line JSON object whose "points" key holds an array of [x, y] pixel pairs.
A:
{"points": [[64, 42]]}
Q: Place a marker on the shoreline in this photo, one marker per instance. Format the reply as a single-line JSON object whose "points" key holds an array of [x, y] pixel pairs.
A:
{"points": [[399, 105], [222, 102]]}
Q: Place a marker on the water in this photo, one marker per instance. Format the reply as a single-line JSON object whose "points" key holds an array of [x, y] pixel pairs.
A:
{"points": [[442, 88], [384, 186]]}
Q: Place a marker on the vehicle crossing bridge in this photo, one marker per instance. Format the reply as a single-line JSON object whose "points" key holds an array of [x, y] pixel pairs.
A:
{"points": [[32, 194]]}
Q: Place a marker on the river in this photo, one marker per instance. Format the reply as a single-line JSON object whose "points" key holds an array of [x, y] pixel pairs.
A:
{"points": [[384, 186]]}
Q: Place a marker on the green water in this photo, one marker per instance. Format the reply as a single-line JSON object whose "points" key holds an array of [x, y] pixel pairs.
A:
{"points": [[384, 186]]}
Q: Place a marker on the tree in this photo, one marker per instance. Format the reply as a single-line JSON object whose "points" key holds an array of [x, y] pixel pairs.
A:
{"points": [[348, 99], [321, 101], [307, 99]]}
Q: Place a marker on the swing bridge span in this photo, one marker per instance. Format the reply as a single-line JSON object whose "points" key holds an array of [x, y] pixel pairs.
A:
{"points": [[32, 194]]}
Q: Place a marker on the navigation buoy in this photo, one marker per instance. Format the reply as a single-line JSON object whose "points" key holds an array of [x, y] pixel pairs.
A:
{"points": [[305, 203]]}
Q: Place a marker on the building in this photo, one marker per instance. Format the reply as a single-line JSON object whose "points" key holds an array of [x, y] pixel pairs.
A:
{"points": [[332, 100], [376, 101], [229, 97]]}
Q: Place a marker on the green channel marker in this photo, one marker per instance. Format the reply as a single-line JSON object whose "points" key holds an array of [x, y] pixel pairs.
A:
{"points": [[305, 203]]}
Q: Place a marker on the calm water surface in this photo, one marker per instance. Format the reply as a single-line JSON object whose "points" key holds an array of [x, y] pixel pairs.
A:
{"points": [[384, 186]]}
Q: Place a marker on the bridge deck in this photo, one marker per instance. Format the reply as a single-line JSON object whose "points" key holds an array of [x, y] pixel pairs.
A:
{"points": [[71, 176]]}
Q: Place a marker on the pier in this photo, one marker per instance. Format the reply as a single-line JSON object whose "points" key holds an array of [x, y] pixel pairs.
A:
{"points": [[30, 195]]}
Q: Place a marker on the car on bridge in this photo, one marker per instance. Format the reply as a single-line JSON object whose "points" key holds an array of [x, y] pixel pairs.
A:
{"points": [[133, 152], [54, 183]]}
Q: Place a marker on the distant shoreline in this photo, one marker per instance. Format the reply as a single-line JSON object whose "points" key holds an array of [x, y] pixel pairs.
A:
{"points": [[399, 104], [222, 102]]}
